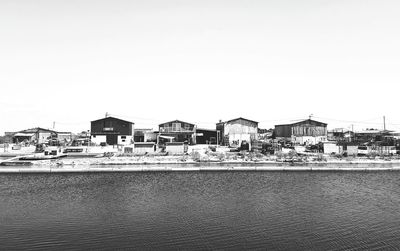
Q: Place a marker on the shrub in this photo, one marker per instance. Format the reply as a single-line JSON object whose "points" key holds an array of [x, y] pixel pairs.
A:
{"points": [[320, 157], [212, 148], [221, 156], [196, 156]]}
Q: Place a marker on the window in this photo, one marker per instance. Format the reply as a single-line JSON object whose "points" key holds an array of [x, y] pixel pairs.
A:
{"points": [[123, 137], [176, 126]]}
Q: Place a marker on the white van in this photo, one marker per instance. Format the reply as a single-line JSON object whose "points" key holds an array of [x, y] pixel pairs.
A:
{"points": [[362, 150]]}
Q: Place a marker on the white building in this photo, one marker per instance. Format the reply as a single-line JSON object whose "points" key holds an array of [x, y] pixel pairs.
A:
{"points": [[234, 132]]}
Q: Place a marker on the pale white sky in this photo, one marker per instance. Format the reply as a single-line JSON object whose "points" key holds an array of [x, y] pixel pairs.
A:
{"points": [[153, 61]]}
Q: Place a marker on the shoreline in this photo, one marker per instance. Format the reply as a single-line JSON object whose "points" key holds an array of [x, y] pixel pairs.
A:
{"points": [[191, 166], [192, 169]]}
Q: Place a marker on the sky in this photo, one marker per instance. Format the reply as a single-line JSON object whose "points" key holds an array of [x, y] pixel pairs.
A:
{"points": [[66, 63]]}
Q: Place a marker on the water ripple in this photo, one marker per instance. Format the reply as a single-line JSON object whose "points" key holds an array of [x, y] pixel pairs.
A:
{"points": [[201, 211]]}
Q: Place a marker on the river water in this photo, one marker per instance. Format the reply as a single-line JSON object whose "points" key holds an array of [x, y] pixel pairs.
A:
{"points": [[201, 211]]}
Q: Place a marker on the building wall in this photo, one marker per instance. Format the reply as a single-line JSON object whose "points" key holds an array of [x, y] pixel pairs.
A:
{"points": [[176, 126], [308, 130], [351, 150], [181, 131], [142, 148], [175, 148], [42, 137], [64, 136], [303, 128], [111, 125], [207, 136], [113, 129], [240, 130], [145, 135], [283, 131], [236, 140], [98, 139], [308, 140], [124, 140], [220, 128], [331, 148]]}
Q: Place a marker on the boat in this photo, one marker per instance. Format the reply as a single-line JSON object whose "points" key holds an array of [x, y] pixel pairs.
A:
{"points": [[42, 157], [48, 154], [16, 163], [89, 151]]}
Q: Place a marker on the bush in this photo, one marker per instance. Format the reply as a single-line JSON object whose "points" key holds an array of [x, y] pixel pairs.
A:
{"points": [[372, 155], [337, 155], [292, 154], [320, 157], [212, 148], [221, 156], [196, 156], [279, 154]]}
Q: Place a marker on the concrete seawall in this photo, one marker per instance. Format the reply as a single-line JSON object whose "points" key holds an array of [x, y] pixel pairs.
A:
{"points": [[94, 169]]}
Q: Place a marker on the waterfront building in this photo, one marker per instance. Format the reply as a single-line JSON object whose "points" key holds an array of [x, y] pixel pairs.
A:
{"points": [[145, 135], [235, 131], [40, 135], [111, 131], [206, 136], [177, 131], [304, 132]]}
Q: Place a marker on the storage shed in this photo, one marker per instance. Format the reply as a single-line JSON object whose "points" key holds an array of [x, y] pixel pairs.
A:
{"points": [[303, 132], [112, 131]]}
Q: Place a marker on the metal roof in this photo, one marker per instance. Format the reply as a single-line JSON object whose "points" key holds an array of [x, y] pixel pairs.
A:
{"points": [[176, 121], [302, 121], [112, 118], [242, 119]]}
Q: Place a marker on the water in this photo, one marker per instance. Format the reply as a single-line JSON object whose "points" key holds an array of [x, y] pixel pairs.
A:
{"points": [[201, 210]]}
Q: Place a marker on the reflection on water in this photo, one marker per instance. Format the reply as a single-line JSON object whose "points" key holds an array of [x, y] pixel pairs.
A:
{"points": [[201, 210]]}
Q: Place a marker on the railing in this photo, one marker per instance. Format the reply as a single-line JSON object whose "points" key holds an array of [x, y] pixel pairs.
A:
{"points": [[173, 129]]}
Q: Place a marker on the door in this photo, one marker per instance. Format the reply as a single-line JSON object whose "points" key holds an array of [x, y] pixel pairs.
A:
{"points": [[112, 139]]}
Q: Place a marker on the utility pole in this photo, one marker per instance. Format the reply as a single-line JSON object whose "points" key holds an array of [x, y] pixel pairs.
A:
{"points": [[352, 132], [384, 123], [54, 124]]}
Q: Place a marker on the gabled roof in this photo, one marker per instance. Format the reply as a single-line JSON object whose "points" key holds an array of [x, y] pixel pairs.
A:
{"points": [[302, 121], [241, 119], [176, 121], [35, 130], [112, 118]]}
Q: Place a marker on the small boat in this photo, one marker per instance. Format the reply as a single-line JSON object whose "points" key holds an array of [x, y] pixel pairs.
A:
{"points": [[48, 154], [42, 157], [16, 163]]}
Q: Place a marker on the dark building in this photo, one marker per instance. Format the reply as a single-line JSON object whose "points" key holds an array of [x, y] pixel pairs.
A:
{"points": [[177, 131], [112, 131], [206, 136], [309, 130]]}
